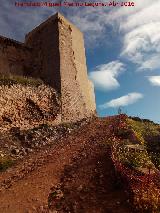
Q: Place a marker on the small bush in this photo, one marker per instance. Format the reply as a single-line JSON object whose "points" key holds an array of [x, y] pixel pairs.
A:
{"points": [[5, 164]]}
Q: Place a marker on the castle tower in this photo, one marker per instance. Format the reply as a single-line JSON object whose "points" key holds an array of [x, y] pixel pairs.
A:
{"points": [[58, 58]]}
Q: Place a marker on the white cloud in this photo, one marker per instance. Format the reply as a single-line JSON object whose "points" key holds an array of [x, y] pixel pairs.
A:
{"points": [[154, 80], [148, 11], [125, 100], [142, 46], [141, 41], [104, 76], [138, 27], [92, 22], [15, 22]]}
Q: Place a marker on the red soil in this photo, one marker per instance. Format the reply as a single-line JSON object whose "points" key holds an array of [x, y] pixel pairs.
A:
{"points": [[80, 163]]}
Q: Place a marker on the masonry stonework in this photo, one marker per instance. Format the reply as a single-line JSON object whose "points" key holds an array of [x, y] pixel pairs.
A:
{"points": [[15, 57], [54, 52], [76, 89], [46, 58]]}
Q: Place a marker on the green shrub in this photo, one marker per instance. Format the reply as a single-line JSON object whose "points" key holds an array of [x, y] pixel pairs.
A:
{"points": [[144, 128], [5, 164], [133, 157], [9, 80], [148, 133]]}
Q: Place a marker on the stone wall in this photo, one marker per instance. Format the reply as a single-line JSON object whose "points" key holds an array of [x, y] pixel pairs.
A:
{"points": [[44, 40], [86, 86], [59, 59], [15, 57], [76, 89], [54, 52]]}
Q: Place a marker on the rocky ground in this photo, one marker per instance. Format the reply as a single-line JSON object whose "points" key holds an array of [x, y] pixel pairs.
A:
{"points": [[73, 174], [16, 144]]}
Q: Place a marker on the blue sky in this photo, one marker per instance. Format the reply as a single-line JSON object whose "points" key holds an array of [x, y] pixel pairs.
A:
{"points": [[122, 50]]}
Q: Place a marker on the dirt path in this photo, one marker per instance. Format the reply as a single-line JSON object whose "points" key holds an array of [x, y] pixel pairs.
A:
{"points": [[80, 163]]}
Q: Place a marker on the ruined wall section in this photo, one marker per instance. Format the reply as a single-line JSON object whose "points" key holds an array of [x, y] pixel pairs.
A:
{"points": [[15, 57], [74, 104], [45, 42]]}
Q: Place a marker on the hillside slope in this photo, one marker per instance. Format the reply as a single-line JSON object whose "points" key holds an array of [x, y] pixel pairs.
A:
{"points": [[79, 164]]}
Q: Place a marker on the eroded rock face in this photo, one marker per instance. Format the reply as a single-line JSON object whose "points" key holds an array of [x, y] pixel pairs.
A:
{"points": [[27, 106]]}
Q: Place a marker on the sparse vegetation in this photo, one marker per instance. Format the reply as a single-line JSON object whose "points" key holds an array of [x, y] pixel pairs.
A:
{"points": [[149, 134], [9, 80], [133, 158], [134, 161], [5, 163]]}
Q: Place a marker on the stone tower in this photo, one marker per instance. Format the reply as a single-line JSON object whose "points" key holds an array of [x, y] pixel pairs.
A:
{"points": [[59, 58], [54, 51]]}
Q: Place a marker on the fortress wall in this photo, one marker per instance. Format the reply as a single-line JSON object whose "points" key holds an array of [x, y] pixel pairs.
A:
{"points": [[45, 43], [54, 51], [86, 86], [72, 65], [14, 57], [59, 59]]}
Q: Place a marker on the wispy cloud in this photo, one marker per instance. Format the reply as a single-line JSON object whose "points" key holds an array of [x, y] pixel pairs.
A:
{"points": [[154, 80], [104, 76], [15, 22], [142, 46], [92, 22], [138, 27], [141, 41], [125, 100]]}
